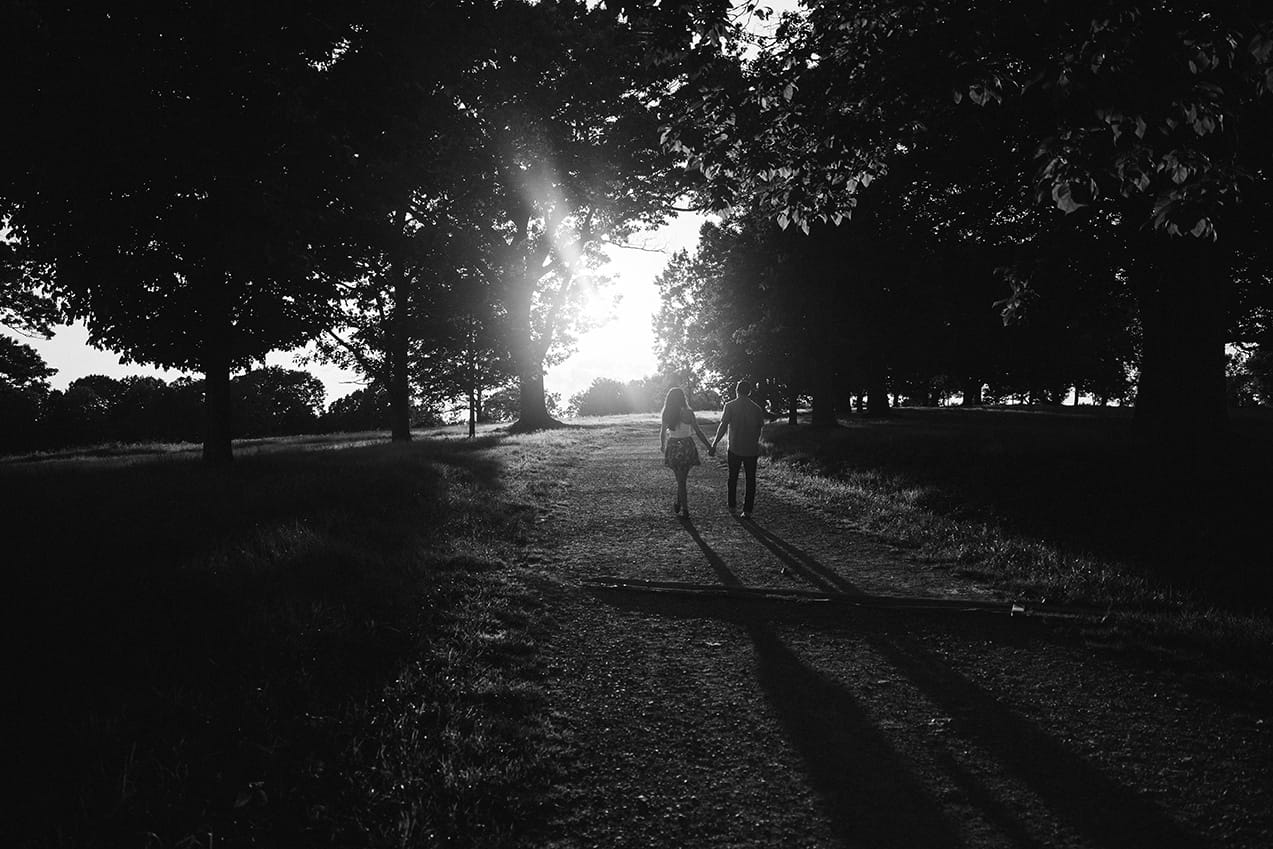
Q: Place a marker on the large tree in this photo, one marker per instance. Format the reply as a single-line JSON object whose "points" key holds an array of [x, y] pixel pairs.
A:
{"points": [[403, 109], [571, 107], [1145, 126], [490, 170], [1163, 119], [753, 302], [168, 178]]}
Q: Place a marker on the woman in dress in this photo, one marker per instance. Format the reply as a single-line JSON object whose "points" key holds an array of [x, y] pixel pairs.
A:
{"points": [[676, 441]]}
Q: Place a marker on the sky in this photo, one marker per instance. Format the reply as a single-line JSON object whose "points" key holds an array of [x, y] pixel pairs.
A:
{"points": [[620, 348], [69, 352]]}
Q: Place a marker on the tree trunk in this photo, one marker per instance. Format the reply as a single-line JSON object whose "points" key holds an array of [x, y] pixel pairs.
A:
{"points": [[532, 410], [1182, 294], [877, 396], [399, 353], [972, 393], [470, 377], [528, 353], [475, 406], [823, 412], [1180, 414], [217, 405], [793, 406]]}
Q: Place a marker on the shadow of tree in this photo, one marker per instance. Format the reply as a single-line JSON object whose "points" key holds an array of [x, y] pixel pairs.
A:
{"points": [[870, 791], [800, 562], [1107, 813], [850, 764]]}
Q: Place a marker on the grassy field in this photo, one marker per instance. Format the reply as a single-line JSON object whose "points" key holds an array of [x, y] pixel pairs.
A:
{"points": [[314, 647], [1063, 503]]}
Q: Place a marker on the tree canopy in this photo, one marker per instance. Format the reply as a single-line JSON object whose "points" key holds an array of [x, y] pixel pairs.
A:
{"points": [[1106, 161], [169, 183], [915, 200]]}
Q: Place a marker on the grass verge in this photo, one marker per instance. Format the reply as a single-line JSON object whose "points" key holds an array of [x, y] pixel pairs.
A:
{"points": [[1063, 506]]}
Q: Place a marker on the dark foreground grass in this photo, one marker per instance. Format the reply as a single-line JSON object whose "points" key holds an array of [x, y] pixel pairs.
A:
{"points": [[1066, 505], [314, 647]]}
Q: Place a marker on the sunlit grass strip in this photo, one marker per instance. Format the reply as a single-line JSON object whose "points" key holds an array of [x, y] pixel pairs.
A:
{"points": [[454, 749], [892, 509], [896, 510]]}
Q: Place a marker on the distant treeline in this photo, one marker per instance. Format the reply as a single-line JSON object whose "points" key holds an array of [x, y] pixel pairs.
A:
{"points": [[271, 401], [268, 401], [275, 401], [609, 397], [1249, 380]]}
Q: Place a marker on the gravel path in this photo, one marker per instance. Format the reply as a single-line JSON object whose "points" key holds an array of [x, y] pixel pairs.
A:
{"points": [[708, 720]]}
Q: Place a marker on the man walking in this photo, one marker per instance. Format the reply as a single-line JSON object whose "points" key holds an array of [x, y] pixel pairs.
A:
{"points": [[742, 420]]}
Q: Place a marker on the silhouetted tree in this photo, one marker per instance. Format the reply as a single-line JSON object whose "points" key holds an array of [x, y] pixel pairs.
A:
{"points": [[170, 179], [1148, 125], [362, 409], [403, 106], [605, 396], [273, 401], [24, 393], [571, 108]]}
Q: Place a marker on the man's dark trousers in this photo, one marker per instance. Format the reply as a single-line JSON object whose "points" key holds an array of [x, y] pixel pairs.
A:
{"points": [[737, 461]]}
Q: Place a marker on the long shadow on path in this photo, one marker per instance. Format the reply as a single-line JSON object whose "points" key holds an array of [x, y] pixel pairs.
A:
{"points": [[1104, 811], [871, 793], [800, 562], [1108, 813], [871, 796]]}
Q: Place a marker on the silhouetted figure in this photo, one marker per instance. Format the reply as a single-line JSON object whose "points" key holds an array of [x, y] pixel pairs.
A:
{"points": [[742, 420], [676, 441]]}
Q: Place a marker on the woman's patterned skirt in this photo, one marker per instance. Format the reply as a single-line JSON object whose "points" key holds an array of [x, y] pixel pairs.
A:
{"points": [[681, 453]]}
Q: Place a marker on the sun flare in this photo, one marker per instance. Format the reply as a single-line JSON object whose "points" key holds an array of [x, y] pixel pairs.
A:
{"points": [[619, 343], [620, 337]]}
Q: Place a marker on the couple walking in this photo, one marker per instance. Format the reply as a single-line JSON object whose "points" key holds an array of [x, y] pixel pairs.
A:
{"points": [[741, 421]]}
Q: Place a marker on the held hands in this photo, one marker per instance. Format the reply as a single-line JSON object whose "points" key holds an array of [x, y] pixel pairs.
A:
{"points": [[711, 451]]}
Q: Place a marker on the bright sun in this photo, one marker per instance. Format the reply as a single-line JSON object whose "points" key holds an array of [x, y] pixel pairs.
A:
{"points": [[621, 343]]}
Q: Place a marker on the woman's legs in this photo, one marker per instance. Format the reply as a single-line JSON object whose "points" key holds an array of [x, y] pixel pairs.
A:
{"points": [[682, 494]]}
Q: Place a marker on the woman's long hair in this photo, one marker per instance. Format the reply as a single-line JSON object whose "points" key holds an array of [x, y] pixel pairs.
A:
{"points": [[672, 406]]}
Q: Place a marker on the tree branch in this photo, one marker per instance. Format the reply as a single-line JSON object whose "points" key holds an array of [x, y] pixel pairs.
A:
{"points": [[641, 248], [365, 363]]}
